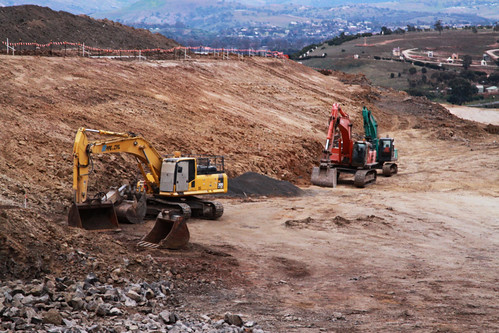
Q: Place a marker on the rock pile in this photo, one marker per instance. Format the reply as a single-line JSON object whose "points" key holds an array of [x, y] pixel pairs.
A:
{"points": [[62, 305]]}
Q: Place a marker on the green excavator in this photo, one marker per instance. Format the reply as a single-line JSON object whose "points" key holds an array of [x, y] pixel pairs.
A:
{"points": [[386, 153]]}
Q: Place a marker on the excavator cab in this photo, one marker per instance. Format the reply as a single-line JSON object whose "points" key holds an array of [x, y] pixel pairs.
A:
{"points": [[359, 153], [387, 151], [177, 174]]}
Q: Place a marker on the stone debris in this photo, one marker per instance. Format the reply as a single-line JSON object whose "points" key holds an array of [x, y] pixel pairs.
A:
{"points": [[62, 305]]}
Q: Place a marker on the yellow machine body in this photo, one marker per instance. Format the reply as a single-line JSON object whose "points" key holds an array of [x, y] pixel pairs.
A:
{"points": [[167, 178]]}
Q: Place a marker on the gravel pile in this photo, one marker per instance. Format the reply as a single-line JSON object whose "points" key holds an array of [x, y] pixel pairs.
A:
{"points": [[255, 184], [62, 305]]}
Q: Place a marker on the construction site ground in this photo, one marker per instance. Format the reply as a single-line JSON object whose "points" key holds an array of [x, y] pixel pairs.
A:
{"points": [[413, 252]]}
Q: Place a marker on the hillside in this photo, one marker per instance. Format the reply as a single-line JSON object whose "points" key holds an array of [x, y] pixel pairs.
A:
{"points": [[461, 42], [41, 24]]}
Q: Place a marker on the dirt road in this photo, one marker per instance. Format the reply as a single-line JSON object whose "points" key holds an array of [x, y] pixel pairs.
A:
{"points": [[481, 115], [414, 252]]}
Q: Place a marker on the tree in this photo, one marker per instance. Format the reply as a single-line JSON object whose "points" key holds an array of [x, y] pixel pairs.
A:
{"points": [[412, 70], [462, 91], [423, 70], [473, 28], [438, 26], [496, 27], [466, 61], [392, 75], [411, 28], [493, 78], [469, 75], [385, 31]]}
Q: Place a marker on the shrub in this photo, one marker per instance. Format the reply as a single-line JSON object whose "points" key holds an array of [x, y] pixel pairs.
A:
{"points": [[432, 66], [462, 91]]}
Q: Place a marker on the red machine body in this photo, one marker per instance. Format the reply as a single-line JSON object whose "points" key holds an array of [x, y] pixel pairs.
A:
{"points": [[342, 154]]}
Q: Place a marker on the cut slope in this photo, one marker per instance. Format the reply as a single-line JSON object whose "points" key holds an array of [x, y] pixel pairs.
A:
{"points": [[42, 25], [265, 115]]}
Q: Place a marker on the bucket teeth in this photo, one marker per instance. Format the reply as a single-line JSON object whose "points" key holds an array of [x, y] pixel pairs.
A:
{"points": [[169, 232], [147, 245]]}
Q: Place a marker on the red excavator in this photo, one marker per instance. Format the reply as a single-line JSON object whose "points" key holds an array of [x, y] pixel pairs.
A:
{"points": [[343, 155]]}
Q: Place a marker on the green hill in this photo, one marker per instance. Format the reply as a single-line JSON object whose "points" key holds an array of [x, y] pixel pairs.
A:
{"points": [[374, 57]]}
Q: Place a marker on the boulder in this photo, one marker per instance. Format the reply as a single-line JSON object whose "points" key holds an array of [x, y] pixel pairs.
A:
{"points": [[52, 316], [233, 319], [168, 317]]}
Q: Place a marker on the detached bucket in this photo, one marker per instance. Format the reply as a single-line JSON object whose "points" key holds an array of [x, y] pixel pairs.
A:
{"points": [[93, 215], [169, 232], [324, 176], [132, 211]]}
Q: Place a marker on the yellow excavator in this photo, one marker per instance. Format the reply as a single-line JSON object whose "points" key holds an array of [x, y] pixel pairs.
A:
{"points": [[168, 188]]}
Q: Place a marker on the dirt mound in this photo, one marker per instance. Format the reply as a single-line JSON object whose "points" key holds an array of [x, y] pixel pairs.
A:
{"points": [[492, 129], [42, 25], [255, 184]]}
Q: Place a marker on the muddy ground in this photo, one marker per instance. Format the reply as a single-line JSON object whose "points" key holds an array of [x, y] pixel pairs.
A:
{"points": [[414, 252]]}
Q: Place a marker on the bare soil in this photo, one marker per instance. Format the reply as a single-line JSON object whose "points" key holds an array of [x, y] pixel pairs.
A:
{"points": [[35, 24], [413, 252]]}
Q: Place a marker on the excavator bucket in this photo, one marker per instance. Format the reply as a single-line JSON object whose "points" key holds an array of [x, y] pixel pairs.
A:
{"points": [[324, 176], [169, 232], [93, 215], [132, 211]]}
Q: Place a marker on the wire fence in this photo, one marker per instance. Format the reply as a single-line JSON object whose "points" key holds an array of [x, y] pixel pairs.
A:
{"points": [[82, 50]]}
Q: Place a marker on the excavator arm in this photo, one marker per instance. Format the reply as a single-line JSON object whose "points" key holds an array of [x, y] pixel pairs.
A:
{"points": [[115, 142], [370, 127], [338, 145]]}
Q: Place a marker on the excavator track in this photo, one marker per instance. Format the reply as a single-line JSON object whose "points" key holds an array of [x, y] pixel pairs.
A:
{"points": [[389, 169], [218, 209], [155, 206], [189, 207], [210, 210], [364, 177]]}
